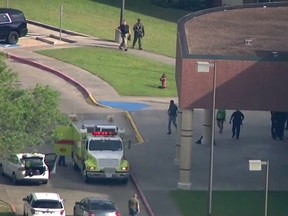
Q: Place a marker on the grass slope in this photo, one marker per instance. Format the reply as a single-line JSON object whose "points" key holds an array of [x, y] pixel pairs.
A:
{"points": [[129, 75], [99, 18]]}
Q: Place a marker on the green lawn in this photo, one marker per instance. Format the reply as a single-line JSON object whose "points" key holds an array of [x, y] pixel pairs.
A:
{"points": [[231, 203], [129, 75], [5, 209], [100, 18]]}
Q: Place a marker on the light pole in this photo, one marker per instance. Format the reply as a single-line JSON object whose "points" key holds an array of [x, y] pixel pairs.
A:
{"points": [[205, 67], [122, 11], [256, 165]]}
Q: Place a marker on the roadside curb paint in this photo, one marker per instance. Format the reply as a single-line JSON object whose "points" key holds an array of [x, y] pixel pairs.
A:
{"points": [[88, 94], [141, 194], [136, 131], [12, 207]]}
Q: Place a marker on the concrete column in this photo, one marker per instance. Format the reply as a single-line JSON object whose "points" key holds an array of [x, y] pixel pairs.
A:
{"points": [[185, 150], [178, 136], [207, 126]]}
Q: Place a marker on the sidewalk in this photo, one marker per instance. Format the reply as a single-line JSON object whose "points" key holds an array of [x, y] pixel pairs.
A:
{"points": [[153, 162], [97, 89]]}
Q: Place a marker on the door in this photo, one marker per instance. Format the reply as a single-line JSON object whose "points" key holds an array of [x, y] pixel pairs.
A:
{"points": [[50, 161], [5, 23]]}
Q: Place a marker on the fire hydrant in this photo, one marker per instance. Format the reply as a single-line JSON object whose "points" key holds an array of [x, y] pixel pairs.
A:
{"points": [[163, 80]]}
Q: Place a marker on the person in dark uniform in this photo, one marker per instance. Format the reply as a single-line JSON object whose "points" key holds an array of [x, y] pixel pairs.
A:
{"points": [[139, 33], [237, 120], [61, 161], [125, 33], [172, 113], [273, 125], [133, 205], [286, 127], [280, 119]]}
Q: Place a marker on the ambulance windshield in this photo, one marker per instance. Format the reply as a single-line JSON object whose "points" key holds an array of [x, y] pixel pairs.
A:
{"points": [[105, 145]]}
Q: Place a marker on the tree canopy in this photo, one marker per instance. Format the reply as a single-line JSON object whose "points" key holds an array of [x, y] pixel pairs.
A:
{"points": [[28, 116]]}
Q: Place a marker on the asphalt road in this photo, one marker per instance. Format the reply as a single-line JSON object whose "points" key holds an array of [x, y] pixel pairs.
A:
{"points": [[67, 182]]}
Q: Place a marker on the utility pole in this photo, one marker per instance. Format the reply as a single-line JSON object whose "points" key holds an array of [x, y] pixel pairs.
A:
{"points": [[122, 11]]}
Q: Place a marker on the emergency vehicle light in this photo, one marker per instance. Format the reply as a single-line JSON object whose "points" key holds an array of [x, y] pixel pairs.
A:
{"points": [[104, 133]]}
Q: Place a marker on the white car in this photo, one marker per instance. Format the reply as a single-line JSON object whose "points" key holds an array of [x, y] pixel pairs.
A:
{"points": [[25, 167], [43, 204]]}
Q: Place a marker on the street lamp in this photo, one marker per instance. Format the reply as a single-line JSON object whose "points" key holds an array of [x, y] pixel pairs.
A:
{"points": [[256, 165], [122, 11], [205, 67]]}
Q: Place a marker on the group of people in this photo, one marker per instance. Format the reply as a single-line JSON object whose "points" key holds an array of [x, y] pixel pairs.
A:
{"points": [[236, 119], [279, 122], [125, 31]]}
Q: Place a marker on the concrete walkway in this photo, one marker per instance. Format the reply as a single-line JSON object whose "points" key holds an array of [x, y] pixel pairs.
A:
{"points": [[153, 162]]}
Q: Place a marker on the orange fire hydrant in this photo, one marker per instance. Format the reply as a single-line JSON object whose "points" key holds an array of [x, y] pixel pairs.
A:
{"points": [[163, 80]]}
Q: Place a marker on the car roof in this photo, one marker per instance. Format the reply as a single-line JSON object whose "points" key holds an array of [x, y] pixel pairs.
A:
{"points": [[28, 155], [98, 199], [101, 204], [10, 10], [46, 196]]}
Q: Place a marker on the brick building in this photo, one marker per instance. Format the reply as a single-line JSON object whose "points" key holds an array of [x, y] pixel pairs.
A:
{"points": [[242, 51]]}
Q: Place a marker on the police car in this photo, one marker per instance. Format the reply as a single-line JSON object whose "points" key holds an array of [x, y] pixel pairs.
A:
{"points": [[25, 167], [43, 204]]}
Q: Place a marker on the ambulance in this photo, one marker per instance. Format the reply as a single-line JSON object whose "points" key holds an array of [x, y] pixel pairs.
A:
{"points": [[97, 150]]}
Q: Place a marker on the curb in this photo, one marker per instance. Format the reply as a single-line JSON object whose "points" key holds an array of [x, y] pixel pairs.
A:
{"points": [[50, 27], [141, 194], [85, 92], [136, 131], [45, 40], [63, 39], [12, 207], [88, 94], [79, 86]]}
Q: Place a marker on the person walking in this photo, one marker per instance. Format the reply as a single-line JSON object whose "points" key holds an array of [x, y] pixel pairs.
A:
{"points": [[172, 113], [139, 33], [125, 34], [273, 125], [133, 205], [280, 119], [61, 161], [237, 120], [220, 117]]}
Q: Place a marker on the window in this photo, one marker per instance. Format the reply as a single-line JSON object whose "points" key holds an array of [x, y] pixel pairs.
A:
{"points": [[33, 161], [84, 203], [13, 159], [102, 205], [29, 198], [17, 17], [105, 145], [4, 18], [48, 204]]}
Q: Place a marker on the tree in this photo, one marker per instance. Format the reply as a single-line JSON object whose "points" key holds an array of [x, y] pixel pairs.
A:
{"points": [[28, 116]]}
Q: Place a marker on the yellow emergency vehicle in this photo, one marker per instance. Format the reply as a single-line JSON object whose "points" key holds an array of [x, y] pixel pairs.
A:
{"points": [[97, 150]]}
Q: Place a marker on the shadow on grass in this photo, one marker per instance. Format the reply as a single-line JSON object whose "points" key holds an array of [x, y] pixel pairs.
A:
{"points": [[145, 7]]}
